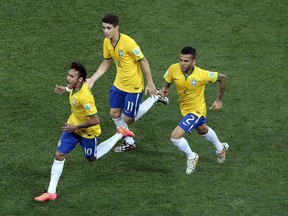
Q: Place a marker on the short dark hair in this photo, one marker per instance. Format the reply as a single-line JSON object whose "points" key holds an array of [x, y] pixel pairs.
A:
{"points": [[80, 68], [110, 19], [189, 50]]}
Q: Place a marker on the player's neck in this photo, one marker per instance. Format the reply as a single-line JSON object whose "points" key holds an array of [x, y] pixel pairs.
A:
{"points": [[78, 87], [189, 71], [115, 39]]}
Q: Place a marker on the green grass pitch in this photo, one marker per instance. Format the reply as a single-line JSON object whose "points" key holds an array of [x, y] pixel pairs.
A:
{"points": [[246, 40]]}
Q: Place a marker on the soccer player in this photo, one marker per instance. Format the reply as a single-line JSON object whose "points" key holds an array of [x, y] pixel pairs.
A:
{"points": [[128, 86], [127, 89], [82, 127], [190, 82]]}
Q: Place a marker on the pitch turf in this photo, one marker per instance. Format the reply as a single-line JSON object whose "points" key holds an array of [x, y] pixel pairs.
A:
{"points": [[246, 40]]}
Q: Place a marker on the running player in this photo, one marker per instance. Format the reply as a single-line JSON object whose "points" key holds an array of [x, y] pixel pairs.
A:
{"points": [[190, 82], [127, 89], [82, 127]]}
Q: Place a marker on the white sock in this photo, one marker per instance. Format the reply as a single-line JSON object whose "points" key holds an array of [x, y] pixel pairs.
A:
{"points": [[183, 146], [56, 172], [105, 146], [211, 136], [120, 122], [145, 106]]}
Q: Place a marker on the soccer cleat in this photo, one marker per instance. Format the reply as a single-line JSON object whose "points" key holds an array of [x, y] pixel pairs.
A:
{"points": [[191, 164], [221, 155], [125, 132], [124, 147], [164, 100], [46, 197]]}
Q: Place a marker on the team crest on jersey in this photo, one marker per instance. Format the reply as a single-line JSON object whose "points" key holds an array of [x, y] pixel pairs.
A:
{"points": [[121, 53], [211, 74], [194, 82], [88, 107], [136, 51]]}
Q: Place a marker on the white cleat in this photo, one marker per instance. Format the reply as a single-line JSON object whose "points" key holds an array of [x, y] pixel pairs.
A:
{"points": [[191, 164], [162, 99], [221, 155]]}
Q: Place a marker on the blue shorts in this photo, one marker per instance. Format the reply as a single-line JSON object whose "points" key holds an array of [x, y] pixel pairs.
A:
{"points": [[129, 102], [68, 141], [191, 121]]}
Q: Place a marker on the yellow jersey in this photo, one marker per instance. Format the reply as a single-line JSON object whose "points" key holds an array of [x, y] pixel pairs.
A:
{"points": [[126, 55], [82, 106], [190, 88]]}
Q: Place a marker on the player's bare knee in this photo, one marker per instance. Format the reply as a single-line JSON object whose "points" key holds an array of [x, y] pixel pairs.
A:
{"points": [[128, 120], [115, 113], [91, 159], [59, 156], [202, 130], [174, 136]]}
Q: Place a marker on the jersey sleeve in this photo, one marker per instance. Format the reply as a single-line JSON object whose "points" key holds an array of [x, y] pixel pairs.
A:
{"points": [[134, 49], [210, 76], [168, 76], [89, 105]]}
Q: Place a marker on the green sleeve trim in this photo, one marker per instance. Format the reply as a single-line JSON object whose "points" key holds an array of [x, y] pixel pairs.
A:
{"points": [[217, 78], [168, 82], [140, 59], [108, 58], [93, 114]]}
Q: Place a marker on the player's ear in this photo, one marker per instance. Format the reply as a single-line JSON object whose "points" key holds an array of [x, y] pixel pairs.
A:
{"points": [[80, 79]]}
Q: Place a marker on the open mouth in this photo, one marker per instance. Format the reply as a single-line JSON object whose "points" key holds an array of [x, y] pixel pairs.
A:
{"points": [[68, 84]]}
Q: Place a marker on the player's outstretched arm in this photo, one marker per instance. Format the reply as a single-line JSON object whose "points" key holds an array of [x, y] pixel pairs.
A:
{"points": [[222, 79], [100, 71], [60, 89], [150, 87], [165, 89]]}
